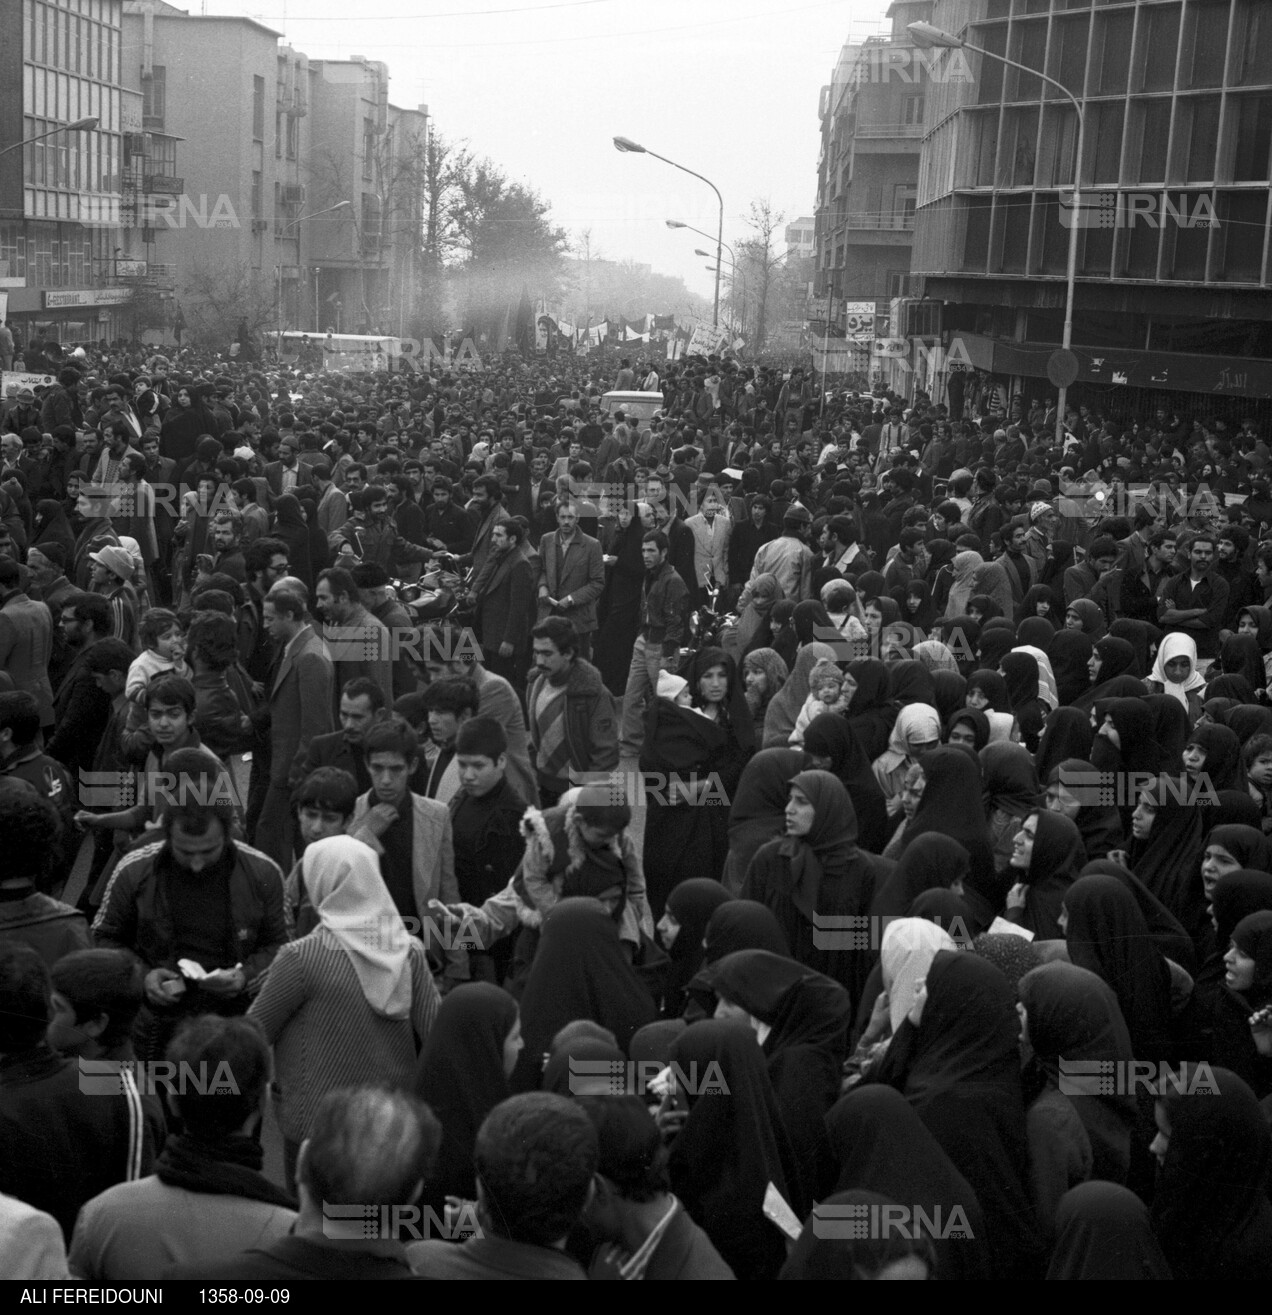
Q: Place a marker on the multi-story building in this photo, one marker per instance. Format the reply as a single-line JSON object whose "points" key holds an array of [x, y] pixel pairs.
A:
{"points": [[294, 208], [1173, 293], [61, 187], [801, 237], [872, 125], [366, 156]]}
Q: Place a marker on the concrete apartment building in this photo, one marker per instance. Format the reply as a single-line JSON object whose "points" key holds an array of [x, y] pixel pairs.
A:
{"points": [[872, 125], [1173, 296], [285, 169]]}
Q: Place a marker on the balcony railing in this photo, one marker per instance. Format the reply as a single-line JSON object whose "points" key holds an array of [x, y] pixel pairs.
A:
{"points": [[878, 220], [883, 130]]}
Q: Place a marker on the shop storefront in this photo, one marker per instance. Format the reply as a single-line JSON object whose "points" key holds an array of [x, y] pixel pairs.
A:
{"points": [[69, 315], [1121, 379]]}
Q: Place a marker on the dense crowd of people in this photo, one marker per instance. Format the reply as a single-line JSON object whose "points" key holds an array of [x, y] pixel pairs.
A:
{"points": [[784, 833]]}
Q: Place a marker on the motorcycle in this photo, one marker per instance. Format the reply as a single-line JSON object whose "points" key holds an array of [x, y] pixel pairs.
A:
{"points": [[708, 622]]}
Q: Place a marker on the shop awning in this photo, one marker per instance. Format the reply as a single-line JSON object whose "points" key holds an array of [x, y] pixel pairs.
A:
{"points": [[1224, 376]]}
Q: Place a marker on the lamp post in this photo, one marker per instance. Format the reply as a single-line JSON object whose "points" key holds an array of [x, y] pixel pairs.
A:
{"points": [[676, 223], [626, 145], [278, 296], [926, 35], [80, 125], [737, 274]]}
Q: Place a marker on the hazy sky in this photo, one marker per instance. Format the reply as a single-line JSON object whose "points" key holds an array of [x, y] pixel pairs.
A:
{"points": [[727, 88]]}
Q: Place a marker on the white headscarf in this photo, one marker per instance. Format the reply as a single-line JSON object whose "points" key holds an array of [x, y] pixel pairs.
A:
{"points": [[1177, 645], [916, 723], [905, 955], [342, 876], [1047, 690]]}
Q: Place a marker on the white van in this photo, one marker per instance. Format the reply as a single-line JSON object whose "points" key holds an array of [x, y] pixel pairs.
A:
{"points": [[641, 406]]}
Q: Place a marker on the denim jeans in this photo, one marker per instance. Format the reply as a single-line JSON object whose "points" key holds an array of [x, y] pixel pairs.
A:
{"points": [[642, 683]]}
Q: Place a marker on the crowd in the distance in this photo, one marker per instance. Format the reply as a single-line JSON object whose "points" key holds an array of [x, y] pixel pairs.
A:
{"points": [[811, 834]]}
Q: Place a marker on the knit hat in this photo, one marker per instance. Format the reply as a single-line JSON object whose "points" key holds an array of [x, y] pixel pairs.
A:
{"points": [[1037, 510], [671, 687]]}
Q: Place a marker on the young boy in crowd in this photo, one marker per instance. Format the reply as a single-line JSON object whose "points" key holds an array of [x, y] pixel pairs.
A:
{"points": [[1257, 757], [169, 703], [324, 802], [97, 995], [486, 820]]}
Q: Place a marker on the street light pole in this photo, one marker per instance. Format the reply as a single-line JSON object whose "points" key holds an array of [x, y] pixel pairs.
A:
{"points": [[80, 125], [626, 145], [926, 35], [675, 223], [278, 296]]}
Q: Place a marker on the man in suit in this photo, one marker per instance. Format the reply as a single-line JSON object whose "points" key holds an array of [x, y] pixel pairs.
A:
{"points": [[711, 530], [503, 596], [287, 474], [300, 707], [361, 707], [571, 574], [26, 640], [333, 505]]}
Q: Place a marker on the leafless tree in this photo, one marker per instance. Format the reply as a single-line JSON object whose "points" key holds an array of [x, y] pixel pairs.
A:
{"points": [[219, 297]]}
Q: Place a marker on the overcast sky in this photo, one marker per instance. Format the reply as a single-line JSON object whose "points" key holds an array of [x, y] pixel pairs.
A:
{"points": [[727, 88]]}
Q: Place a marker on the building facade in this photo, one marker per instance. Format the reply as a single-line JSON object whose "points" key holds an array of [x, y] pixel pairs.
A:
{"points": [[62, 191], [293, 209], [1173, 292], [873, 117]]}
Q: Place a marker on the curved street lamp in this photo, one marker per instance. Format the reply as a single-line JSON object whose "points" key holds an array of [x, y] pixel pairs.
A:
{"points": [[278, 301], [80, 125], [627, 146]]}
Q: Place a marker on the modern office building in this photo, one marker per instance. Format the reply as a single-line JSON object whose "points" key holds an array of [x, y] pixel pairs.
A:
{"points": [[62, 190], [1173, 291]]}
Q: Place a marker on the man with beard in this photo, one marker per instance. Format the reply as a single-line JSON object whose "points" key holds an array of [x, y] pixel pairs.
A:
{"points": [[194, 893], [359, 644], [379, 600], [1021, 570], [487, 506], [81, 708], [503, 596], [94, 504], [287, 474]]}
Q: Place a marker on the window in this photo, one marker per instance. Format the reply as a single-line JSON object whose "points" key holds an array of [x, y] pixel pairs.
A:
{"points": [[1205, 45], [1254, 139], [912, 110], [258, 109], [256, 194], [368, 147], [1255, 50], [163, 156], [154, 94], [293, 136], [1155, 133], [1159, 46], [278, 134]]}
